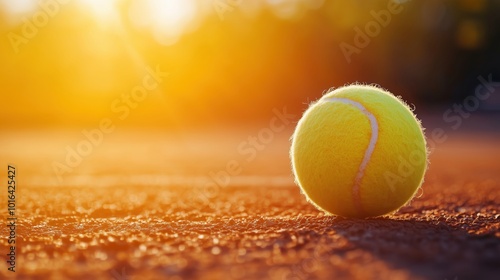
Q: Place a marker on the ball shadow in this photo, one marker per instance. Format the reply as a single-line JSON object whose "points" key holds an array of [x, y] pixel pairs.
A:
{"points": [[433, 250]]}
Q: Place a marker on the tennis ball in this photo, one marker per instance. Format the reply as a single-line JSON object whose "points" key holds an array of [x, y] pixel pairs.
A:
{"points": [[358, 152]]}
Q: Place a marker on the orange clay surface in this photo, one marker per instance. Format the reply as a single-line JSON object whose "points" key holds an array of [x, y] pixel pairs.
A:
{"points": [[140, 211]]}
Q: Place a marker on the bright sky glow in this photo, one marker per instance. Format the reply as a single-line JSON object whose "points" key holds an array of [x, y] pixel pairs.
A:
{"points": [[166, 19], [102, 9], [18, 8]]}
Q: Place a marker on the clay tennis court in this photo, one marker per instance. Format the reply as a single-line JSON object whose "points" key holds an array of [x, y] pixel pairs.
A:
{"points": [[118, 225]]}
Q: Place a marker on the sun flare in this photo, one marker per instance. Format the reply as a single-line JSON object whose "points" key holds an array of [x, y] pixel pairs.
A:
{"points": [[167, 20], [102, 9]]}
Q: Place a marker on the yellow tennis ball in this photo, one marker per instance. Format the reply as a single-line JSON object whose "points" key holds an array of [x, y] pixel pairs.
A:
{"points": [[359, 151]]}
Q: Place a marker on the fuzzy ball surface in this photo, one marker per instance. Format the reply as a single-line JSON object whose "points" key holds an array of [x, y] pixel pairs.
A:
{"points": [[359, 152]]}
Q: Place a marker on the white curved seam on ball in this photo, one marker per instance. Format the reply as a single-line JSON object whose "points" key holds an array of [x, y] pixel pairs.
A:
{"points": [[369, 149]]}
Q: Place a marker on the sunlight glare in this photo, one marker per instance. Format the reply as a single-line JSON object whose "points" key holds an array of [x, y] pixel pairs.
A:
{"points": [[285, 9], [166, 19], [16, 9], [103, 9]]}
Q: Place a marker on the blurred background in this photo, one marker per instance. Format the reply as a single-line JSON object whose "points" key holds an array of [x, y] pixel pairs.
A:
{"points": [[182, 69]]}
